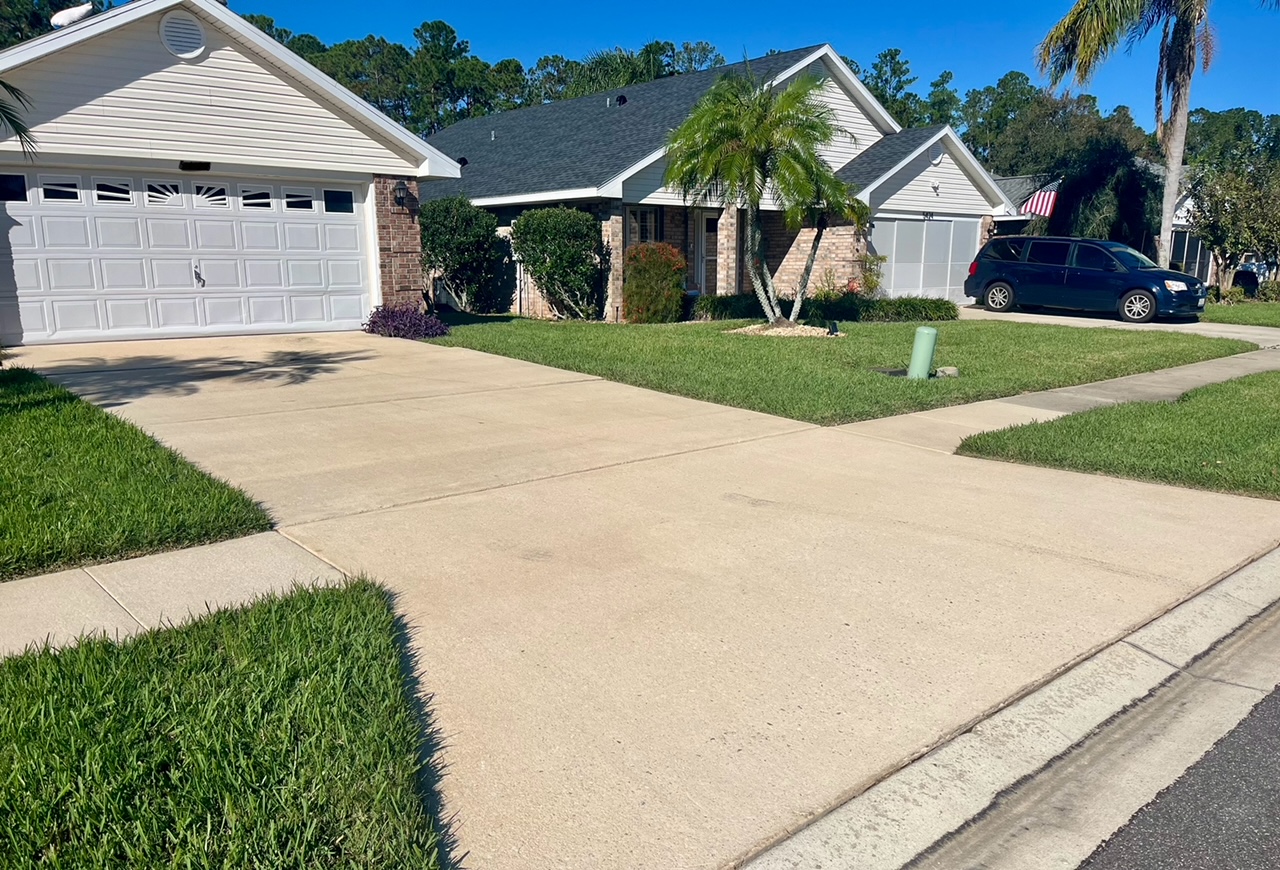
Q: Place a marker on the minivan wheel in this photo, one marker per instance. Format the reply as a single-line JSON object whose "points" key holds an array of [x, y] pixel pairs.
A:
{"points": [[999, 297], [1138, 306]]}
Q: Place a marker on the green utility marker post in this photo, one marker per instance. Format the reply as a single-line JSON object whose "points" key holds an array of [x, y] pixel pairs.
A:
{"points": [[922, 354]]}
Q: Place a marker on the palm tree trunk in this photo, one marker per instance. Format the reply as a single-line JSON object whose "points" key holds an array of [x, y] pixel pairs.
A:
{"points": [[803, 286], [1182, 66], [755, 266]]}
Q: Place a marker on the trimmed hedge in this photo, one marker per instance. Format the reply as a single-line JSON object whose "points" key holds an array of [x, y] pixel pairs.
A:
{"points": [[564, 253], [906, 309], [653, 284]]}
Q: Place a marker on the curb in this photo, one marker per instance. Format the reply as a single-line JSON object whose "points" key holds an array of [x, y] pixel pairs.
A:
{"points": [[906, 813]]}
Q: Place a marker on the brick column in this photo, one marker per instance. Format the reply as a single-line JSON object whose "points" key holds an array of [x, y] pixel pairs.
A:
{"points": [[399, 242], [727, 253], [611, 231]]}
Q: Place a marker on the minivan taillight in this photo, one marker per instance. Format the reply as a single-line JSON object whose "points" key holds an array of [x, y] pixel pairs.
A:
{"points": [[973, 268]]}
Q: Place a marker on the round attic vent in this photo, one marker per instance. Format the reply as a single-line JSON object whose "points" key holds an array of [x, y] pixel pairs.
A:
{"points": [[935, 154], [182, 34]]}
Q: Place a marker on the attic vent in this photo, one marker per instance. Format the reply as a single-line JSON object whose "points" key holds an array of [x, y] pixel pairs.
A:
{"points": [[182, 34], [935, 154]]}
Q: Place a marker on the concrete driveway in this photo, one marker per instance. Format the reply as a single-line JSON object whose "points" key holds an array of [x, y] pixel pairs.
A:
{"points": [[658, 632], [1263, 336]]}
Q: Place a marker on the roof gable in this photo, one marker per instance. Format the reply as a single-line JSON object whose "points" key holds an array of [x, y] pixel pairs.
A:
{"points": [[227, 35]]}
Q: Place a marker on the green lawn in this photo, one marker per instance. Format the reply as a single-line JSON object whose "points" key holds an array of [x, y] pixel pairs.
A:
{"points": [[81, 486], [1223, 437], [281, 735], [831, 381], [1246, 313]]}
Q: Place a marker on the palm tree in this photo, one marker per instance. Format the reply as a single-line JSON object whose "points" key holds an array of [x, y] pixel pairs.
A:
{"points": [[1094, 29], [746, 140], [11, 120]]}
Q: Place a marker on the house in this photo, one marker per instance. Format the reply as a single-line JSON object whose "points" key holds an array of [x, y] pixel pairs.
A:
{"points": [[932, 201], [194, 177]]}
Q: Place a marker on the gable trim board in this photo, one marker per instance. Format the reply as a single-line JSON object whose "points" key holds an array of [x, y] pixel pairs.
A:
{"points": [[421, 160], [293, 226]]}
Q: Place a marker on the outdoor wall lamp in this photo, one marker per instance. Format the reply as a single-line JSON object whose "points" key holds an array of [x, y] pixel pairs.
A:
{"points": [[401, 192]]}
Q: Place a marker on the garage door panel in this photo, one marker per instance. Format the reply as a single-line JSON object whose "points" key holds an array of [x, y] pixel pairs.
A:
{"points": [[305, 273], [75, 316], [168, 234], [260, 236], [216, 235], [267, 309], [128, 314], [119, 233], [124, 274], [182, 256], [301, 237], [223, 311], [934, 281], [177, 313], [71, 275], [65, 232]]}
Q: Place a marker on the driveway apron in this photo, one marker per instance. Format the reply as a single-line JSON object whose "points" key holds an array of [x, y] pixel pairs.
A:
{"points": [[658, 632]]}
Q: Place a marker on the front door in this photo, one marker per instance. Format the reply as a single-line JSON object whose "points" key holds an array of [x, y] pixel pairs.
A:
{"points": [[706, 227]]}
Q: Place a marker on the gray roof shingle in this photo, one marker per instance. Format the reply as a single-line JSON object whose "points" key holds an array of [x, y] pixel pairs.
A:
{"points": [[884, 155], [578, 143], [1019, 188]]}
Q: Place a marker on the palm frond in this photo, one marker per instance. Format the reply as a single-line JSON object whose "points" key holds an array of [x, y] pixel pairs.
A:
{"points": [[1089, 33], [12, 122]]}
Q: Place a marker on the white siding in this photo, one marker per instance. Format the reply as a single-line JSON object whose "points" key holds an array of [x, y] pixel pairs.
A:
{"points": [[123, 95], [911, 190], [646, 186]]}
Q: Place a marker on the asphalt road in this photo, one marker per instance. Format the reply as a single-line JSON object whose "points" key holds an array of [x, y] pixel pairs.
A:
{"points": [[1222, 814]]}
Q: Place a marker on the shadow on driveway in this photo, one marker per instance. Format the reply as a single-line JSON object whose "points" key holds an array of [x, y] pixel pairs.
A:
{"points": [[114, 382]]}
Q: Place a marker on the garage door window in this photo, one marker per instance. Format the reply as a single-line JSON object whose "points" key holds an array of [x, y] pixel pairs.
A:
{"points": [[256, 198], [164, 194], [211, 195], [13, 188], [59, 189], [113, 191], [299, 199], [339, 202]]}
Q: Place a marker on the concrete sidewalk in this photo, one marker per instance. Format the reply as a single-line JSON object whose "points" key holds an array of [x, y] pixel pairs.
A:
{"points": [[1262, 336], [659, 632]]}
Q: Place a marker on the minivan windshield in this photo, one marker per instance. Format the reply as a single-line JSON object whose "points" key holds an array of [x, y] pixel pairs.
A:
{"points": [[1129, 257]]}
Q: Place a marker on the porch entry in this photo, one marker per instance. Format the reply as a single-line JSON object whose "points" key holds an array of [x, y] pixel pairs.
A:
{"points": [[926, 257], [705, 228]]}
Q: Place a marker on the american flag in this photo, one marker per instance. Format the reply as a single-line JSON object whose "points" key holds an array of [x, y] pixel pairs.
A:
{"points": [[1043, 200]]}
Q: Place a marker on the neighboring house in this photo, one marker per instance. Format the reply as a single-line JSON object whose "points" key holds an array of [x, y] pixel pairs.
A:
{"points": [[1019, 189], [931, 199], [194, 177]]}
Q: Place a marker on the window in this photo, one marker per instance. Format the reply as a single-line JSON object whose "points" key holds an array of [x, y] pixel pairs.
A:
{"points": [[1008, 250], [1049, 253], [339, 202], [13, 188], [164, 194], [113, 191], [299, 198], [1131, 258], [59, 189], [211, 194], [256, 197], [1089, 257], [642, 225], [712, 226]]}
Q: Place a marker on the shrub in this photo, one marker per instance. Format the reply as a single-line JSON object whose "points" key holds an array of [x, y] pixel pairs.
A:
{"points": [[1228, 295], [1269, 291], [404, 321], [562, 250], [848, 307], [870, 280], [653, 284], [461, 242]]}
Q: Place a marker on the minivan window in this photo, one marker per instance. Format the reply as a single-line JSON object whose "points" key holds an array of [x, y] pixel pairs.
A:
{"points": [[1049, 253], [1009, 250], [1131, 258], [1089, 257]]}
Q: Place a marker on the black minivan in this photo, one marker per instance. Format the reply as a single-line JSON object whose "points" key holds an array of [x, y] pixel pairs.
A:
{"points": [[1081, 274]]}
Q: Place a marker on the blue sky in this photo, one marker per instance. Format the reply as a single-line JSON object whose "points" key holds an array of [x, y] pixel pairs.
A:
{"points": [[979, 44]]}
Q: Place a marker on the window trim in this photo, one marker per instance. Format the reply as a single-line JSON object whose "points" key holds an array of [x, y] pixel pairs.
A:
{"points": [[118, 182], [177, 200], [308, 192], [632, 212], [268, 189], [26, 187], [77, 180]]}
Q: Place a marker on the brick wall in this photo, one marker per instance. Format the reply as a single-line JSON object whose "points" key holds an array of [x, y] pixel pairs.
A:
{"points": [[727, 247], [786, 251], [611, 231], [399, 242]]}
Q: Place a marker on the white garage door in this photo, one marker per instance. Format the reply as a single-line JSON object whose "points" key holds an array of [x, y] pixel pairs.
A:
{"points": [[926, 258], [100, 255]]}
